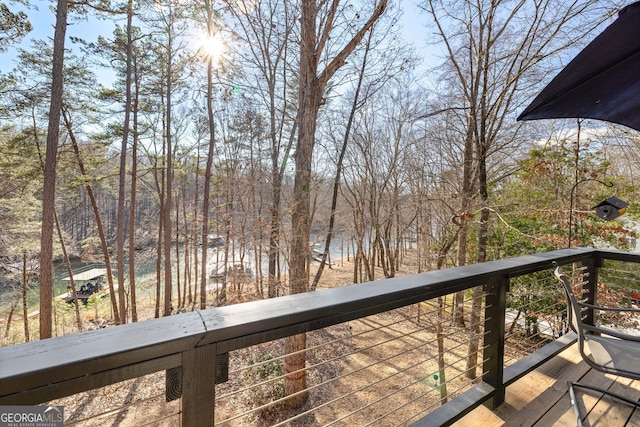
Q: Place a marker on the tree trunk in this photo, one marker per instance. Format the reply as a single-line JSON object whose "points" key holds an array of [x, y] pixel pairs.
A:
{"points": [[187, 296], [440, 319], [465, 216], [274, 243], [168, 230], [133, 210], [476, 305], [120, 229], [72, 283], [222, 295], [49, 187], [310, 94], [168, 188], [177, 248], [442, 378], [194, 231], [204, 275], [96, 213], [14, 304], [160, 186], [159, 261], [25, 310], [295, 380]]}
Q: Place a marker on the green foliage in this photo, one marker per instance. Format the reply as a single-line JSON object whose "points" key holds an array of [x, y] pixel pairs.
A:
{"points": [[20, 166], [20, 186], [266, 376], [537, 204], [524, 233], [64, 317], [98, 302], [13, 26]]}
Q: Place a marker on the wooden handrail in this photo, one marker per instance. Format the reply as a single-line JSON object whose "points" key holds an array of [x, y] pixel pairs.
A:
{"points": [[40, 371]]}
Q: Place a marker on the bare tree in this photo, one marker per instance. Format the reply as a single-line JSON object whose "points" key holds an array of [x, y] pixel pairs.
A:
{"points": [[25, 313], [268, 27], [372, 75], [491, 49], [134, 180], [312, 84], [172, 28], [340, 160]]}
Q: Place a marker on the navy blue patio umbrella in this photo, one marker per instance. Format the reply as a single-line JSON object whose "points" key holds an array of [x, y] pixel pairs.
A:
{"points": [[602, 82]]}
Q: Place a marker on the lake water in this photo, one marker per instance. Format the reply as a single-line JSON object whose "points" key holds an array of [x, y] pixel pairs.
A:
{"points": [[146, 270]]}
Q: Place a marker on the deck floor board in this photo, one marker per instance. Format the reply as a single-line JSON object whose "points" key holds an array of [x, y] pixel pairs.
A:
{"points": [[541, 398]]}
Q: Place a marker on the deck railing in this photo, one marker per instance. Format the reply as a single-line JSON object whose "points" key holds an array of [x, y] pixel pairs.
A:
{"points": [[369, 344]]}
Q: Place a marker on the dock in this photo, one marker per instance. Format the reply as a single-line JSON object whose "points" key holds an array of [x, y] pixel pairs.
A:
{"points": [[90, 280]]}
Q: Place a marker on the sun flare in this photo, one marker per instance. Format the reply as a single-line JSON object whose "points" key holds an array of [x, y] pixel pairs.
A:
{"points": [[212, 46]]}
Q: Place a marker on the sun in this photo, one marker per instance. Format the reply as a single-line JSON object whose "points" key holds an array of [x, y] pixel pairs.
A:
{"points": [[213, 46]]}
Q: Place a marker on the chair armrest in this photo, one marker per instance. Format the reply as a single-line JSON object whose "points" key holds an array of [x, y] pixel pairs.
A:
{"points": [[611, 332], [599, 307]]}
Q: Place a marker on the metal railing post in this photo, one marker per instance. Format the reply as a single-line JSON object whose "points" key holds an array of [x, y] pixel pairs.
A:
{"points": [[493, 366], [198, 386]]}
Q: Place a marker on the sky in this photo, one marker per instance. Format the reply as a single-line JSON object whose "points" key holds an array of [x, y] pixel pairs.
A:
{"points": [[43, 20]]}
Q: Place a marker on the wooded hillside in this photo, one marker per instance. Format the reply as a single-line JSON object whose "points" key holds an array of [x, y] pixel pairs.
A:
{"points": [[274, 126]]}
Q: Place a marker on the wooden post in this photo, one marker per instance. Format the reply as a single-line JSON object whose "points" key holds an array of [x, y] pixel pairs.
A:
{"points": [[493, 367], [198, 386]]}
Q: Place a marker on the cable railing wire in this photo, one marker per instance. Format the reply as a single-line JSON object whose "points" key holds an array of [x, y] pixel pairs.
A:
{"points": [[118, 410], [316, 365], [427, 409], [361, 388], [340, 357], [353, 372], [449, 395], [387, 396]]}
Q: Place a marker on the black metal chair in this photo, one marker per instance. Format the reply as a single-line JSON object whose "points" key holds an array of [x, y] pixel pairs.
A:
{"points": [[602, 348]]}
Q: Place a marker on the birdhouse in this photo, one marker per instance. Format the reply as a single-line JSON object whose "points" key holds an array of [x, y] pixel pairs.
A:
{"points": [[611, 208]]}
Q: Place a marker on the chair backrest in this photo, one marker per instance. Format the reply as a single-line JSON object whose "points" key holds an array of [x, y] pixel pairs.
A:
{"points": [[575, 318], [606, 353], [574, 312]]}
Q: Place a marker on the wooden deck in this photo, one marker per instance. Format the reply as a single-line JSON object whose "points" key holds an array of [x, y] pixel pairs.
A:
{"points": [[541, 398]]}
